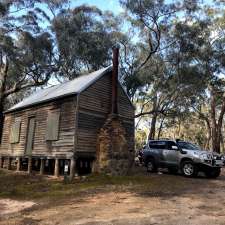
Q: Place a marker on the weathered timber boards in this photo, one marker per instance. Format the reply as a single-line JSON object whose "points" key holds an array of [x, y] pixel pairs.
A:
{"points": [[97, 96], [65, 143], [94, 108], [89, 125]]}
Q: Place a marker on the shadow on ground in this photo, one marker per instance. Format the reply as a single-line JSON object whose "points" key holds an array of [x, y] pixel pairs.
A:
{"points": [[100, 199]]}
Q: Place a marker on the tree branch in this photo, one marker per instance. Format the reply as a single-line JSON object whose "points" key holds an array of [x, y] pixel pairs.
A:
{"points": [[17, 87]]}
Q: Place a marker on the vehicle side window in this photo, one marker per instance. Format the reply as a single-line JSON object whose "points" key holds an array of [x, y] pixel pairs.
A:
{"points": [[170, 144], [157, 144]]}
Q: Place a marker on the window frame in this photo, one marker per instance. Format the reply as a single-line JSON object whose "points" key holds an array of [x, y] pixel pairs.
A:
{"points": [[170, 144], [15, 128], [52, 135], [30, 137], [156, 144]]}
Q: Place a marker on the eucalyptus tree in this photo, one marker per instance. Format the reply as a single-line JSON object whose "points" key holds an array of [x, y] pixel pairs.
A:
{"points": [[189, 38], [26, 50], [40, 40], [150, 79], [84, 37], [200, 49]]}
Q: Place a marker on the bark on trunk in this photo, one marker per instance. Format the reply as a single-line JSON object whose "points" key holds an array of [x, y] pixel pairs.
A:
{"points": [[154, 119], [216, 125], [222, 142], [160, 127], [3, 75], [209, 136], [1, 120], [213, 123], [179, 128], [153, 127]]}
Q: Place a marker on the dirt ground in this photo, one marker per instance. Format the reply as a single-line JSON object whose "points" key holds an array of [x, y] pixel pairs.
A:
{"points": [[197, 201]]}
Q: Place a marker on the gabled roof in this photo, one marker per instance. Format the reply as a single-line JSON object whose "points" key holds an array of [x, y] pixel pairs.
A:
{"points": [[75, 86]]}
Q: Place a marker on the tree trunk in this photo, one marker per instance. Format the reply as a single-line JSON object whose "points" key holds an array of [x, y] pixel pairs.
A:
{"points": [[3, 75], [151, 135], [160, 127], [154, 119], [207, 144], [216, 125], [222, 142], [213, 122], [1, 120], [179, 128]]}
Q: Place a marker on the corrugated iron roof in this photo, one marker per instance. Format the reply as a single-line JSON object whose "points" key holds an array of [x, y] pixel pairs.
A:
{"points": [[75, 86]]}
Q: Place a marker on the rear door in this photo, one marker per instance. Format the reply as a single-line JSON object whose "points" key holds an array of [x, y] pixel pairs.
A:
{"points": [[158, 147], [171, 155]]}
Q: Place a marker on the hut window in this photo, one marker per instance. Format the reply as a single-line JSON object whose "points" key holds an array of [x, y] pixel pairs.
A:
{"points": [[52, 131], [30, 135], [15, 132]]}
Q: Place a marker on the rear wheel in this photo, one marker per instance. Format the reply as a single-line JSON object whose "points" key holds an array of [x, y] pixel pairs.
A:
{"points": [[151, 166], [213, 173], [189, 169]]}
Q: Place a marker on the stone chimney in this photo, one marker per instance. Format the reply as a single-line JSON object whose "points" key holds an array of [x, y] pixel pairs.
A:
{"points": [[115, 80], [112, 155]]}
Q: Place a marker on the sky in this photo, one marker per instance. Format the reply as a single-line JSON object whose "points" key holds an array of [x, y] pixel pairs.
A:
{"points": [[112, 5]]}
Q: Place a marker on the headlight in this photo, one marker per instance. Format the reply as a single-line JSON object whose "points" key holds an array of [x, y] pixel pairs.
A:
{"points": [[205, 156]]}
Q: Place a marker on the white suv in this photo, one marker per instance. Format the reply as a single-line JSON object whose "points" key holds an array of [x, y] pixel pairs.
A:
{"points": [[187, 157]]}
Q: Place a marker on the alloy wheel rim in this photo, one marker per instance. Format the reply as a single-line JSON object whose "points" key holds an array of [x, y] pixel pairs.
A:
{"points": [[188, 169]]}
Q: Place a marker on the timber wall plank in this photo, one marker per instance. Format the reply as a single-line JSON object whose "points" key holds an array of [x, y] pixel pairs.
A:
{"points": [[94, 107], [65, 143]]}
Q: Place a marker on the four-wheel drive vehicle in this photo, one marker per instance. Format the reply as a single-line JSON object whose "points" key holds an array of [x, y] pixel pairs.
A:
{"points": [[181, 155]]}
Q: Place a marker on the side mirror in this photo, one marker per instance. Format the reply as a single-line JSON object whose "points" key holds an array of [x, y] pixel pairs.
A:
{"points": [[174, 147]]}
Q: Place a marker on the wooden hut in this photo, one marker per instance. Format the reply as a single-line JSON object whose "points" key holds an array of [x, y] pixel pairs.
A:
{"points": [[60, 125]]}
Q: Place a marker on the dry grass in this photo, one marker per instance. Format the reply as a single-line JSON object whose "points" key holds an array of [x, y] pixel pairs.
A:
{"points": [[100, 199], [31, 187]]}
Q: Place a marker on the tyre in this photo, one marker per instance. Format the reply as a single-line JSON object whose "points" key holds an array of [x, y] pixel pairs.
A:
{"points": [[172, 170], [189, 169], [151, 166], [213, 173]]}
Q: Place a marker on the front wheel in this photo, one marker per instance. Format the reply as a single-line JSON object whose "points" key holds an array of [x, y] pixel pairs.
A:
{"points": [[189, 169], [213, 173]]}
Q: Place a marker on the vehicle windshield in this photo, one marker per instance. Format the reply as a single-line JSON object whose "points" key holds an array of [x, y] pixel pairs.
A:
{"points": [[188, 145]]}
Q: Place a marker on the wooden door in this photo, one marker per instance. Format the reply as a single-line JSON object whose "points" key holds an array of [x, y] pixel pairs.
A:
{"points": [[30, 135]]}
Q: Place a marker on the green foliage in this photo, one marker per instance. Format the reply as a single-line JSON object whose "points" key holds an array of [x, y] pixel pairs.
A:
{"points": [[25, 47], [182, 67], [84, 39], [140, 139]]}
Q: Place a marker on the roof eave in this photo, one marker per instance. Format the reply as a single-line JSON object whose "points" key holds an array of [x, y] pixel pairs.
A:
{"points": [[40, 103]]}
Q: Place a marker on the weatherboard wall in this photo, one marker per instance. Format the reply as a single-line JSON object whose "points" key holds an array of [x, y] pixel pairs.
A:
{"points": [[94, 108], [63, 147], [79, 124]]}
